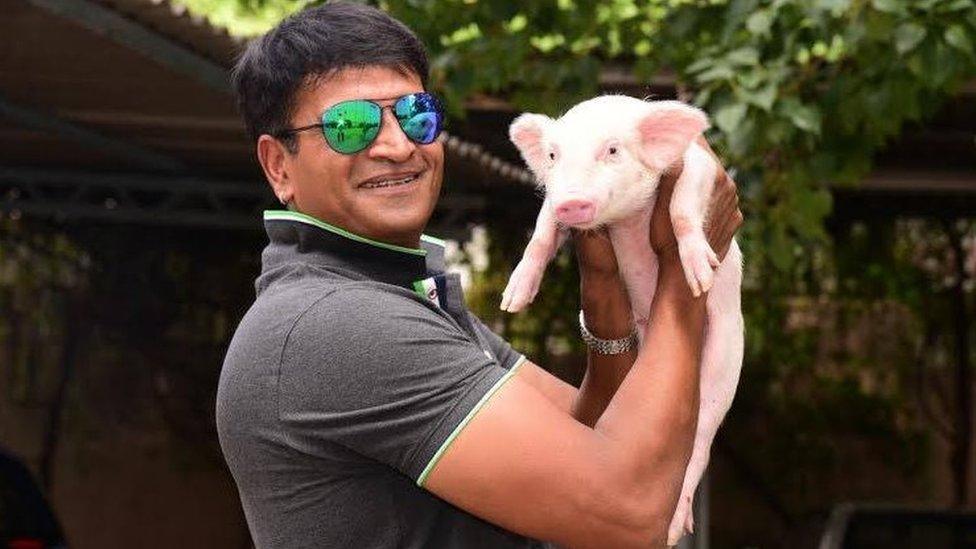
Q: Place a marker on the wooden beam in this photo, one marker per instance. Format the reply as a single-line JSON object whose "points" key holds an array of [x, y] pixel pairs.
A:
{"points": [[139, 119], [49, 123], [117, 28], [919, 182]]}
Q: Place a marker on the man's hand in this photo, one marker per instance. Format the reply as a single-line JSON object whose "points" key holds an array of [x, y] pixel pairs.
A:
{"points": [[606, 308], [603, 297], [594, 253]]}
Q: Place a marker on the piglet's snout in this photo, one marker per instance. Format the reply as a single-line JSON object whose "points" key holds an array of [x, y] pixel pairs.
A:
{"points": [[575, 211]]}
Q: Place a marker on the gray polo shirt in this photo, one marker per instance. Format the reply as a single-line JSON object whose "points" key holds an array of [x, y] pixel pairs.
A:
{"points": [[345, 382]]}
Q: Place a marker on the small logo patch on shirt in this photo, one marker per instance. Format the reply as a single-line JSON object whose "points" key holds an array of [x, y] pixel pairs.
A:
{"points": [[427, 289]]}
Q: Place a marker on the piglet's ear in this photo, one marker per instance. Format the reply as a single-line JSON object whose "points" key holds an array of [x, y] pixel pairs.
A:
{"points": [[526, 132], [666, 131]]}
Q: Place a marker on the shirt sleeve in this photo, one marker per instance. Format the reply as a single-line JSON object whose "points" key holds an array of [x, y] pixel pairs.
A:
{"points": [[506, 356], [383, 374]]}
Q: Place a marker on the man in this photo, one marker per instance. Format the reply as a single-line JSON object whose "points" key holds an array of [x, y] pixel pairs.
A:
{"points": [[360, 404]]}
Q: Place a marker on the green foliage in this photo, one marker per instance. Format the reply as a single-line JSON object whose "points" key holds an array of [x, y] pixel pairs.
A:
{"points": [[244, 17]]}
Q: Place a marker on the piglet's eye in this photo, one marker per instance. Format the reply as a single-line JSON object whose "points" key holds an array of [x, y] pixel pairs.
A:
{"points": [[613, 150], [552, 156]]}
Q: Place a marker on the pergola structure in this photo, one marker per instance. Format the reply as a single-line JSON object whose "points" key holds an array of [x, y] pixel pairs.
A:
{"points": [[122, 112]]}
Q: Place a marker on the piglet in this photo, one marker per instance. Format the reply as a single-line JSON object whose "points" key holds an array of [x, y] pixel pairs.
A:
{"points": [[600, 164]]}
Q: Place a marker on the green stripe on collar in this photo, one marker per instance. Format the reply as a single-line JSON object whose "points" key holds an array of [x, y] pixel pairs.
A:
{"points": [[284, 215], [433, 240]]}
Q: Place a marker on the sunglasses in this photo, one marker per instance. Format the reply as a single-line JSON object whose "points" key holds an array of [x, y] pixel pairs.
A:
{"points": [[351, 126]]}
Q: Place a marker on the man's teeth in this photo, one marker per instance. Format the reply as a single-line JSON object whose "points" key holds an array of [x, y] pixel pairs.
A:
{"points": [[390, 182]]}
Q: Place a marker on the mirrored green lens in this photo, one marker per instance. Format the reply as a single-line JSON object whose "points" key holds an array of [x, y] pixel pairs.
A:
{"points": [[351, 126], [421, 117]]}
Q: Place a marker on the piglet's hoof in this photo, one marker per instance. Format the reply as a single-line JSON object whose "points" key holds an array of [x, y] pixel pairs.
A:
{"points": [[522, 286], [698, 261]]}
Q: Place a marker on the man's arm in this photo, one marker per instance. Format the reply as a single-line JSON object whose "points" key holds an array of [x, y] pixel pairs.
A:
{"points": [[607, 311], [526, 465]]}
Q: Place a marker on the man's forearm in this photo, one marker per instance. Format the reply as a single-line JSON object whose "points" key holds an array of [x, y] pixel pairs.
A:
{"points": [[650, 421], [606, 308]]}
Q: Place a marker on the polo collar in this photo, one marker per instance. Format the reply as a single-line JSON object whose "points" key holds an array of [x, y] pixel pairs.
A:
{"points": [[297, 237]]}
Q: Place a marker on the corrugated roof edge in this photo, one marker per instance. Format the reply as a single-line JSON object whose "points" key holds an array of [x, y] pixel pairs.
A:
{"points": [[175, 22]]}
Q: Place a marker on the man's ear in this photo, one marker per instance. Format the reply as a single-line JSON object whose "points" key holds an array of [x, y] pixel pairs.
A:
{"points": [[666, 131], [273, 157], [526, 132]]}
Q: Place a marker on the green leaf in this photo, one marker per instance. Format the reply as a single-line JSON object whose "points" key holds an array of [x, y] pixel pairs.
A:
{"points": [[760, 22], [517, 23], [956, 37], [700, 65], [702, 98], [780, 251], [751, 79], [959, 5], [764, 97], [803, 56], [729, 116], [805, 117], [907, 36], [743, 56], [889, 6], [548, 42], [642, 48], [809, 207], [836, 50], [718, 72], [461, 35], [835, 7]]}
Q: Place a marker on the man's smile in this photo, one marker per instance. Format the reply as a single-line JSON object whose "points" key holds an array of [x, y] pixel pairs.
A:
{"points": [[398, 179]]}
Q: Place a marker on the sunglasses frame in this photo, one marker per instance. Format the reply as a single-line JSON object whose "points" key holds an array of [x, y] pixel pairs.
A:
{"points": [[439, 111]]}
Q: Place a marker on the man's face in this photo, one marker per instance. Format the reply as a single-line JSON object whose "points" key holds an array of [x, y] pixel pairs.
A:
{"points": [[342, 189]]}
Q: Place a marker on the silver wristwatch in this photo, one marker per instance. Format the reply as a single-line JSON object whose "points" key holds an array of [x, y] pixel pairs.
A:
{"points": [[606, 346]]}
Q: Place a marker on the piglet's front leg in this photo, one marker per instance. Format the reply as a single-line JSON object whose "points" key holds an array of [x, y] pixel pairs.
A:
{"points": [[524, 282], [688, 206]]}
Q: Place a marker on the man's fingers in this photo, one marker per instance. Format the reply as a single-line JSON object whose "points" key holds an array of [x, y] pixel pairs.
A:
{"points": [[725, 235], [594, 251], [724, 216]]}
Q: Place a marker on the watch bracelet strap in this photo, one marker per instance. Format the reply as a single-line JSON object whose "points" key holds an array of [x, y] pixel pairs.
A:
{"points": [[606, 346]]}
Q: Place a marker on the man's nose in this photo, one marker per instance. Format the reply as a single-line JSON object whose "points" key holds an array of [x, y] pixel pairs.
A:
{"points": [[391, 143]]}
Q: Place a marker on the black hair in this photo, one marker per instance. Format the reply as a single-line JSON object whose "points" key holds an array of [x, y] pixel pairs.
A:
{"points": [[314, 44]]}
